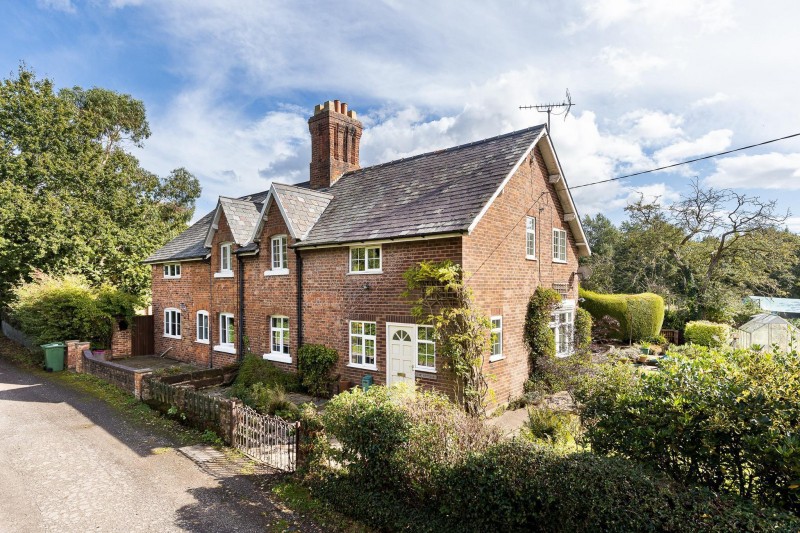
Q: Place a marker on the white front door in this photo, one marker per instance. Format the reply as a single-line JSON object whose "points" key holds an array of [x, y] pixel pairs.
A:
{"points": [[400, 340]]}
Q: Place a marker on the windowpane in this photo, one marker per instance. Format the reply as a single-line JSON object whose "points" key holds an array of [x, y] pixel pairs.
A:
{"points": [[426, 349], [362, 343], [497, 336], [530, 237]]}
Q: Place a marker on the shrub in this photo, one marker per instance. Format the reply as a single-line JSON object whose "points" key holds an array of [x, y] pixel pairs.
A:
{"points": [[254, 370], [639, 316], [314, 364], [61, 308], [552, 427], [272, 400], [707, 333], [537, 334], [728, 420], [583, 329]]}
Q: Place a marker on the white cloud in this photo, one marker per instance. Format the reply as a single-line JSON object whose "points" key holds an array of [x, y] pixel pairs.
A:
{"points": [[711, 142], [793, 224], [65, 6], [710, 15], [652, 126], [764, 171], [629, 66], [716, 98]]}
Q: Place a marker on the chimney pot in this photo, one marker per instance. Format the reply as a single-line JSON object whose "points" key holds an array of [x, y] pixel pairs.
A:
{"points": [[343, 108], [336, 105]]}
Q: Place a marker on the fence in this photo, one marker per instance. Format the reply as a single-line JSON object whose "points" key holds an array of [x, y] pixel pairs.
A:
{"points": [[19, 337], [268, 439], [673, 336]]}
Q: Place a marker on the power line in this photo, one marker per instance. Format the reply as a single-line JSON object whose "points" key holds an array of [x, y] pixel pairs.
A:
{"points": [[686, 162]]}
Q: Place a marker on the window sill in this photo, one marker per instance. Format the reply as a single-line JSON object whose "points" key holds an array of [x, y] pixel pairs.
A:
{"points": [[363, 367], [201, 342], [224, 349], [172, 336], [495, 358], [279, 272], [531, 258], [172, 277], [278, 357], [564, 262], [424, 369], [228, 274], [361, 273]]}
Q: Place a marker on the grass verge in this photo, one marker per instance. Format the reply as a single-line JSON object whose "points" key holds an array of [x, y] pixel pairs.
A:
{"points": [[299, 498]]}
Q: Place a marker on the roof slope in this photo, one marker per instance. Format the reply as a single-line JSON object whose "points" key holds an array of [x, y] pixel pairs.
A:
{"points": [[188, 245], [242, 217], [437, 192], [302, 207]]}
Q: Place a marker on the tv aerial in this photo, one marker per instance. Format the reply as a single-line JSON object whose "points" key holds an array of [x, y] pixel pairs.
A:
{"points": [[563, 108]]}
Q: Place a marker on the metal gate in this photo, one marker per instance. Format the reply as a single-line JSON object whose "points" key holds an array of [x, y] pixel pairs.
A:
{"points": [[142, 335], [267, 439]]}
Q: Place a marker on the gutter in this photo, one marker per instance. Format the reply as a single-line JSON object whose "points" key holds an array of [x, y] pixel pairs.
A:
{"points": [[241, 309], [299, 267]]}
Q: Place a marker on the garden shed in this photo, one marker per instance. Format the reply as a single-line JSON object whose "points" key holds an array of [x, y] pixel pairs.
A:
{"points": [[767, 330]]}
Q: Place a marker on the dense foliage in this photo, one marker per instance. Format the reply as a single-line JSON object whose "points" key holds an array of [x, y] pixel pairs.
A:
{"points": [[726, 419], [583, 329], [702, 253], [61, 308], [416, 463], [707, 333], [462, 332], [73, 200], [634, 317], [262, 385], [538, 336], [314, 364]]}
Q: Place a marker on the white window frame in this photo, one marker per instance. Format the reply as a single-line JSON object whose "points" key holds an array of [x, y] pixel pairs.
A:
{"points": [[365, 260], [530, 235], [225, 250], [172, 270], [364, 338], [281, 266], [203, 336], [172, 317], [224, 345], [556, 325], [282, 355], [559, 245], [497, 334], [432, 342]]}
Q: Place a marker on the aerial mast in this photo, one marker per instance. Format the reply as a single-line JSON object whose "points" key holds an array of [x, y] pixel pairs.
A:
{"points": [[564, 108]]}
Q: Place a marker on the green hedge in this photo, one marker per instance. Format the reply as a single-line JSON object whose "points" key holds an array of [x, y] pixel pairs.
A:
{"points": [[314, 364], [704, 333], [639, 316], [416, 463]]}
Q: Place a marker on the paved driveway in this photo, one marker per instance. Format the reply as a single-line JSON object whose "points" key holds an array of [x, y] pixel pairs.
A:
{"points": [[69, 462]]}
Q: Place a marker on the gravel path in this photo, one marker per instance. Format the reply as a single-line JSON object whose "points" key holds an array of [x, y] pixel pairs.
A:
{"points": [[69, 462]]}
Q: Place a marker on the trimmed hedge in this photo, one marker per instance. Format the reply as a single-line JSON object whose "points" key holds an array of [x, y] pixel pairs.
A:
{"points": [[639, 316], [705, 333]]}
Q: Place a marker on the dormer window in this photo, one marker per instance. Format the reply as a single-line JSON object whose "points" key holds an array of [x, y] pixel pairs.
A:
{"points": [[172, 271], [225, 264], [279, 257]]}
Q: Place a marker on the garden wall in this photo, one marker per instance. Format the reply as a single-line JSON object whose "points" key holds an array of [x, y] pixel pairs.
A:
{"points": [[125, 378]]}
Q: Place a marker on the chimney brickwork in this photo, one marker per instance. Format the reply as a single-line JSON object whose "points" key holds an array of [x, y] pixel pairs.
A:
{"points": [[335, 137]]}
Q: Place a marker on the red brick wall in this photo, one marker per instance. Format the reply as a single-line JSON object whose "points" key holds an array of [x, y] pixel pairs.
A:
{"points": [[190, 294], [224, 294], [335, 139], [270, 295], [503, 279], [121, 341], [332, 297]]}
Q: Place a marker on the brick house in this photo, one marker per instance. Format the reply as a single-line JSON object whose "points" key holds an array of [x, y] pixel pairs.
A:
{"points": [[322, 261]]}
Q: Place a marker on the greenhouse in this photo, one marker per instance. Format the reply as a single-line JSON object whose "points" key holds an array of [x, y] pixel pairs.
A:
{"points": [[765, 331]]}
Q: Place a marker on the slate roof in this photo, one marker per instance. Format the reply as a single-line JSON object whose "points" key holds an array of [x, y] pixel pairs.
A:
{"points": [[302, 207], [437, 192], [188, 245], [242, 217]]}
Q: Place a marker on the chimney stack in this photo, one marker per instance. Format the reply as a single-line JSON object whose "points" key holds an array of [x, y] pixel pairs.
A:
{"points": [[335, 136]]}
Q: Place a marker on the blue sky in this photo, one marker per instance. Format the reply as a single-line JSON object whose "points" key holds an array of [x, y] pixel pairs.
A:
{"points": [[229, 85]]}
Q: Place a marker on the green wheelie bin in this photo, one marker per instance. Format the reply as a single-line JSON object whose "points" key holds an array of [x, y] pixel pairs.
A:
{"points": [[54, 356]]}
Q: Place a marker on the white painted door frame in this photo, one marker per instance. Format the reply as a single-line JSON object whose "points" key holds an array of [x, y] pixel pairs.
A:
{"points": [[413, 333]]}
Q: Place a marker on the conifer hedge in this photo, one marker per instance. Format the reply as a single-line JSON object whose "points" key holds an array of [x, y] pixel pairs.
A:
{"points": [[639, 316]]}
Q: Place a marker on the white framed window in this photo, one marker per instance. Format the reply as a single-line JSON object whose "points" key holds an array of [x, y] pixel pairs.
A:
{"points": [[365, 259], [225, 261], [362, 344], [227, 334], [172, 323], [172, 271], [530, 238], [559, 245], [279, 339], [202, 327], [426, 349], [497, 338], [280, 258], [562, 324]]}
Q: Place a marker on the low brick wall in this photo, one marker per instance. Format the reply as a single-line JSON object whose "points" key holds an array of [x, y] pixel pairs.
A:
{"points": [[120, 341], [125, 378]]}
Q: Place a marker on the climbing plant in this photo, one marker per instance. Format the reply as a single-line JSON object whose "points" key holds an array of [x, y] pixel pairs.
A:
{"points": [[461, 331], [538, 336]]}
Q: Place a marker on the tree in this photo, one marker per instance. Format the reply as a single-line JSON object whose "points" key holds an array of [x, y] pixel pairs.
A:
{"points": [[604, 239], [72, 199]]}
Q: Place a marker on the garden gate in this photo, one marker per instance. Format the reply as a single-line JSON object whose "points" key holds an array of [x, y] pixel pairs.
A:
{"points": [[267, 439], [142, 335]]}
